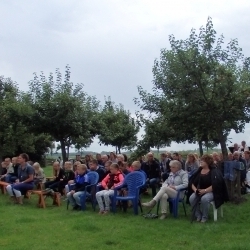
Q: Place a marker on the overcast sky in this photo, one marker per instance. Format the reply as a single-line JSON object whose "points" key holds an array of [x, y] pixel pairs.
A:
{"points": [[110, 45]]}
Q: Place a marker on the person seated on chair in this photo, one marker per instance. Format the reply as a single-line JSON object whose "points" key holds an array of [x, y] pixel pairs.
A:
{"points": [[206, 185], [80, 182], [152, 169], [178, 179], [10, 170], [24, 182], [93, 166], [107, 167], [68, 176], [59, 173], [123, 167], [39, 177], [112, 180]]}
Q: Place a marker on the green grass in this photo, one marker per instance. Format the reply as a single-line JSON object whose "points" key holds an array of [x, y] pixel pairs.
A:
{"points": [[28, 227]]}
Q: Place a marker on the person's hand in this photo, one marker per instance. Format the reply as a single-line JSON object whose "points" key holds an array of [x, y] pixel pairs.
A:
{"points": [[173, 187], [106, 188], [17, 181], [61, 179], [201, 191], [72, 191], [70, 182]]}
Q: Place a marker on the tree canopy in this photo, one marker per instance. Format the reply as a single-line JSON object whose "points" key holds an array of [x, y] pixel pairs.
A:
{"points": [[200, 87], [119, 128]]}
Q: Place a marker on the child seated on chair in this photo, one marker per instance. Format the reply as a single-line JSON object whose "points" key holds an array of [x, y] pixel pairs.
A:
{"points": [[80, 182], [112, 180], [68, 176], [39, 177]]}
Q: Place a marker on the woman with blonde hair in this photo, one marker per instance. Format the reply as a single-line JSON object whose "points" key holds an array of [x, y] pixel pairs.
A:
{"points": [[191, 163], [39, 176]]}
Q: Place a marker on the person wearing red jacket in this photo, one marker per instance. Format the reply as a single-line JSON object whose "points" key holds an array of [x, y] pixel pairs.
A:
{"points": [[112, 180]]}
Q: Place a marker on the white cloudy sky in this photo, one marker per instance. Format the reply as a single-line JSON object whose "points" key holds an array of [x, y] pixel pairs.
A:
{"points": [[109, 44]]}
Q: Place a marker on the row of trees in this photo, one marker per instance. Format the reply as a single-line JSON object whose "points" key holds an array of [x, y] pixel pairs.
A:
{"points": [[201, 90], [54, 109]]}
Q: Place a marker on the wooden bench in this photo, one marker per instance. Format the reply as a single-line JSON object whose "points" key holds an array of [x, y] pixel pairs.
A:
{"points": [[42, 194], [3, 186]]}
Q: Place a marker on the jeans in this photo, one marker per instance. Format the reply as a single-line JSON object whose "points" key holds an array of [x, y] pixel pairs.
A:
{"points": [[153, 183], [105, 194], [202, 209], [163, 195], [74, 199], [19, 189]]}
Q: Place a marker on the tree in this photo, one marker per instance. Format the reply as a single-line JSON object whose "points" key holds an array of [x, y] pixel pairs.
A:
{"points": [[62, 110], [119, 128], [201, 87]]}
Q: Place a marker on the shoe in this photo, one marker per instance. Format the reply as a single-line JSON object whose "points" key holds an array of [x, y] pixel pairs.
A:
{"points": [[101, 212], [203, 221], [198, 220], [105, 212], [163, 217], [149, 204]]}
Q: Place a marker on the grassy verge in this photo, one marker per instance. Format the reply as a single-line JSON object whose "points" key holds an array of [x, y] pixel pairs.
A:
{"points": [[28, 227]]}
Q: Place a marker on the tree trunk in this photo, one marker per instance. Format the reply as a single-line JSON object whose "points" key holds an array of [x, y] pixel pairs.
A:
{"points": [[200, 148], [119, 149], [67, 152], [223, 145], [116, 150], [64, 156]]}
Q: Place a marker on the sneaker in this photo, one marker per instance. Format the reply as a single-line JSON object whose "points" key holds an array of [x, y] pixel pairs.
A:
{"points": [[163, 217], [149, 204], [101, 212], [203, 221]]}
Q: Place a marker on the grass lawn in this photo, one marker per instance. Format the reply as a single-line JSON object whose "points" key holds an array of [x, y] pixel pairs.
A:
{"points": [[29, 227]]}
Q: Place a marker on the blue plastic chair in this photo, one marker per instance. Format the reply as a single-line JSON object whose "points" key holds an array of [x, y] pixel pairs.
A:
{"points": [[90, 190], [174, 202], [133, 182]]}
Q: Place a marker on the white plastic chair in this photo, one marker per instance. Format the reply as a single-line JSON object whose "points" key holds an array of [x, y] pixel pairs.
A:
{"points": [[215, 210]]}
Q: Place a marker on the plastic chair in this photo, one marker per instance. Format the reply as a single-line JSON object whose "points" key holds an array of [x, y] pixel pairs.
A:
{"points": [[133, 182], [93, 180], [174, 203], [216, 210]]}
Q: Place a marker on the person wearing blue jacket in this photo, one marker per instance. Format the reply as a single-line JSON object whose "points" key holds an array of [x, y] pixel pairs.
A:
{"points": [[80, 182]]}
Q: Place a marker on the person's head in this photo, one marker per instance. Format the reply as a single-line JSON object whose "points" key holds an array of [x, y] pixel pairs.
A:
{"points": [[36, 166], [104, 158], [3, 164], [216, 156], [163, 156], [125, 157], [7, 161], [23, 158], [175, 156], [247, 155], [114, 168], [206, 161], [191, 158], [87, 158], [169, 155], [78, 157], [120, 157], [112, 156], [150, 156], [81, 169], [56, 165], [175, 166], [93, 165], [230, 156], [98, 157], [236, 146], [122, 165], [68, 165], [136, 165], [236, 155], [107, 165], [14, 160], [76, 163], [243, 144]]}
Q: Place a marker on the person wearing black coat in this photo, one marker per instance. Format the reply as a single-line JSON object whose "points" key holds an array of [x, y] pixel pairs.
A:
{"points": [[206, 185]]}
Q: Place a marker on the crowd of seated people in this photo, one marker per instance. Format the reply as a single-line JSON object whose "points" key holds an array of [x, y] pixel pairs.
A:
{"points": [[168, 175]]}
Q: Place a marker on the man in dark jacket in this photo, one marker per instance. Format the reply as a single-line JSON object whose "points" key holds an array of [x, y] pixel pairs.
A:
{"points": [[93, 166], [152, 170]]}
